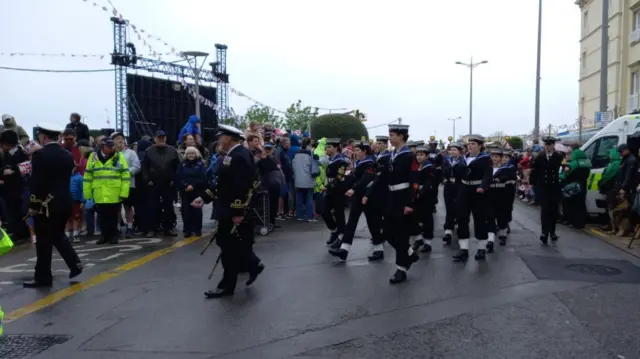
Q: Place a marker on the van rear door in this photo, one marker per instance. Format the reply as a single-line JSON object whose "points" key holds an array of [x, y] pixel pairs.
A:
{"points": [[598, 153]]}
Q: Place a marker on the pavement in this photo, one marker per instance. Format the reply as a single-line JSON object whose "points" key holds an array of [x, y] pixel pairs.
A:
{"points": [[577, 298]]}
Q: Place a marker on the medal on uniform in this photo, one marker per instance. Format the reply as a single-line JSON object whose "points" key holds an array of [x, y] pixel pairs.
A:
{"points": [[226, 161]]}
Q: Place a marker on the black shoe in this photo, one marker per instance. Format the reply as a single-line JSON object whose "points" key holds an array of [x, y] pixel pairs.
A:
{"points": [[253, 274], [218, 293], [489, 248], [481, 255], [554, 238], [414, 257], [198, 234], [398, 277], [417, 244], [461, 256], [74, 272], [340, 253], [151, 234], [503, 240], [186, 234], [170, 233], [335, 244], [37, 284], [426, 248], [376, 256], [508, 229], [447, 239], [332, 238], [544, 239], [114, 240], [102, 240]]}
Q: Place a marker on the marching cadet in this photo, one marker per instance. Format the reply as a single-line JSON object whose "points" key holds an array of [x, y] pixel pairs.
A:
{"points": [[437, 159], [333, 209], [413, 145], [377, 194], [427, 195], [545, 176], [50, 205], [507, 159], [364, 169], [401, 182], [453, 169], [472, 199], [236, 179], [499, 204], [414, 223]]}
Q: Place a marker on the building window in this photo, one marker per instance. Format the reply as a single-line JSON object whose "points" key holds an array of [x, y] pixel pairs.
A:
{"points": [[636, 19], [585, 20], [634, 83], [583, 60]]}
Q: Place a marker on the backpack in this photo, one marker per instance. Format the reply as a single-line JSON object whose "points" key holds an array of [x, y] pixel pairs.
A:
{"points": [[315, 167]]}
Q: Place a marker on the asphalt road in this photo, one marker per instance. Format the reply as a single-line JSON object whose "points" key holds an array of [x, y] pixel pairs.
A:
{"points": [[575, 299]]}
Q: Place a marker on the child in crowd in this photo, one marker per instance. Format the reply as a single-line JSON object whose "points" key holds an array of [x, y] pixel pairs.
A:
{"points": [[74, 224], [192, 180]]}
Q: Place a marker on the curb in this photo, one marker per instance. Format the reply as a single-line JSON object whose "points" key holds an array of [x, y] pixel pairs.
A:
{"points": [[620, 243]]}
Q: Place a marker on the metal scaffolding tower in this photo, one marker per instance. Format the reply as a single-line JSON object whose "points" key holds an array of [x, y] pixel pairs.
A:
{"points": [[124, 57]]}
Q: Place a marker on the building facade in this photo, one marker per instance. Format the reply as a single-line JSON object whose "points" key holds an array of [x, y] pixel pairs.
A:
{"points": [[623, 58]]}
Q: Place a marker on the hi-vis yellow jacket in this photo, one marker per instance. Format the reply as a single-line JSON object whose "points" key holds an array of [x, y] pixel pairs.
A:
{"points": [[106, 182], [5, 246]]}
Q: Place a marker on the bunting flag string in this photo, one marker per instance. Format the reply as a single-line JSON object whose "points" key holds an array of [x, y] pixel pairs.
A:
{"points": [[33, 54]]}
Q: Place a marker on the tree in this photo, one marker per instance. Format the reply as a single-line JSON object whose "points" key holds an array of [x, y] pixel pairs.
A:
{"points": [[262, 115], [343, 126], [298, 117], [237, 122], [516, 142]]}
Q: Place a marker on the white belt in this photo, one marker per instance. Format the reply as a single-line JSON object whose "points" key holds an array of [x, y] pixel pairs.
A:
{"points": [[511, 182], [451, 180], [399, 186], [421, 187], [369, 184], [498, 185], [472, 183]]}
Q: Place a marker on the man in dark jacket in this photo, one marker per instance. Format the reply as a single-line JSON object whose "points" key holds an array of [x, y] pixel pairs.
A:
{"points": [[12, 183], [159, 168], [626, 178], [81, 130]]}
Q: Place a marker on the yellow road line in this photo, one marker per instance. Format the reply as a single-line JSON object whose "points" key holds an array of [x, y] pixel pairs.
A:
{"points": [[54, 298]]}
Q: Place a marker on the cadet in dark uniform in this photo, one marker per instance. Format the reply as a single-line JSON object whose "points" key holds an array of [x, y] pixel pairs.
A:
{"points": [[402, 184], [427, 195], [437, 160], [544, 176], [453, 170], [507, 159], [499, 204], [236, 178], [415, 225], [364, 169], [376, 195], [333, 209], [472, 199], [50, 204]]}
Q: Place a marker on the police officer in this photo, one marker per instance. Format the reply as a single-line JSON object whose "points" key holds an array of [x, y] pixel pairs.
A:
{"points": [[333, 209], [376, 195], [472, 199], [50, 204], [401, 179], [363, 178], [545, 177], [236, 180], [453, 169]]}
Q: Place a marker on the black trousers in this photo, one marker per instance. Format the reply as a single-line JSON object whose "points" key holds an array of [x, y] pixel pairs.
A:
{"points": [[50, 233], [161, 206], [450, 195], [109, 218], [424, 215], [375, 220], [396, 231], [498, 210], [470, 203], [274, 195], [355, 211], [333, 212], [191, 217], [548, 197], [236, 251]]}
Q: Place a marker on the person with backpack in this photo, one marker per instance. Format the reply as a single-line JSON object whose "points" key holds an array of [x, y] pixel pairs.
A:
{"points": [[305, 170]]}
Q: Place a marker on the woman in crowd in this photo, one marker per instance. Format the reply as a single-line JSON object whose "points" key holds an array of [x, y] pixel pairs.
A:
{"points": [[192, 180]]}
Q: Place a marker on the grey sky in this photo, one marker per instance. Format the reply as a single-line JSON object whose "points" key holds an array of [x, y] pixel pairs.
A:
{"points": [[388, 59]]}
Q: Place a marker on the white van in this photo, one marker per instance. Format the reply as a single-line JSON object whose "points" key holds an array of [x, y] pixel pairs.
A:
{"points": [[625, 129]]}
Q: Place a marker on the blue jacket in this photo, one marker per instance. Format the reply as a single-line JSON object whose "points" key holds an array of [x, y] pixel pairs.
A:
{"points": [[76, 187], [189, 128], [194, 174], [295, 146]]}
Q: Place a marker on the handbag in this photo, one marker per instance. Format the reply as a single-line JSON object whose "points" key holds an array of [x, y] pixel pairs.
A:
{"points": [[571, 190]]}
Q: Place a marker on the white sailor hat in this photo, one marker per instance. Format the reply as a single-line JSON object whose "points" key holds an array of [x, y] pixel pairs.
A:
{"points": [[362, 144], [382, 138], [496, 151], [475, 138], [422, 149], [48, 127], [225, 130], [333, 141], [415, 143], [398, 128], [457, 145]]}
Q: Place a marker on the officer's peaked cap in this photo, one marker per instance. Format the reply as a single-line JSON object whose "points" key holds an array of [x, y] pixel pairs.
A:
{"points": [[475, 138], [549, 139], [382, 138], [333, 141], [398, 128], [225, 130], [48, 128]]}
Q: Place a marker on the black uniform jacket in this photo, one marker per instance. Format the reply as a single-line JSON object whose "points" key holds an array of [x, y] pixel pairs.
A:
{"points": [[379, 188], [236, 178], [50, 176], [364, 176], [504, 178], [479, 172], [437, 160], [453, 171], [336, 170], [402, 181], [428, 182], [545, 173]]}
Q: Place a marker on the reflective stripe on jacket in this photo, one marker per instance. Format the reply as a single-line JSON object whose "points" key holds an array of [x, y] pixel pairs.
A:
{"points": [[107, 182]]}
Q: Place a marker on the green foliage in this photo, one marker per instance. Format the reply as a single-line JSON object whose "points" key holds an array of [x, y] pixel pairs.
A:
{"points": [[237, 122], [344, 126], [262, 115], [95, 133], [298, 117], [516, 143]]}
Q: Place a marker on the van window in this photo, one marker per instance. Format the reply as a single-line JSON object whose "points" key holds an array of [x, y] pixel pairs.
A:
{"points": [[605, 145]]}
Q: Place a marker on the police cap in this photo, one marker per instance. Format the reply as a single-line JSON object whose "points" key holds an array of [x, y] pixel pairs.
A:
{"points": [[333, 141], [384, 139], [225, 130], [106, 141], [398, 128], [116, 135]]}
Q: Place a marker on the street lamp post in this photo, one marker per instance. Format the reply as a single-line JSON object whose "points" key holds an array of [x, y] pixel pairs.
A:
{"points": [[196, 72], [471, 65], [454, 125]]}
